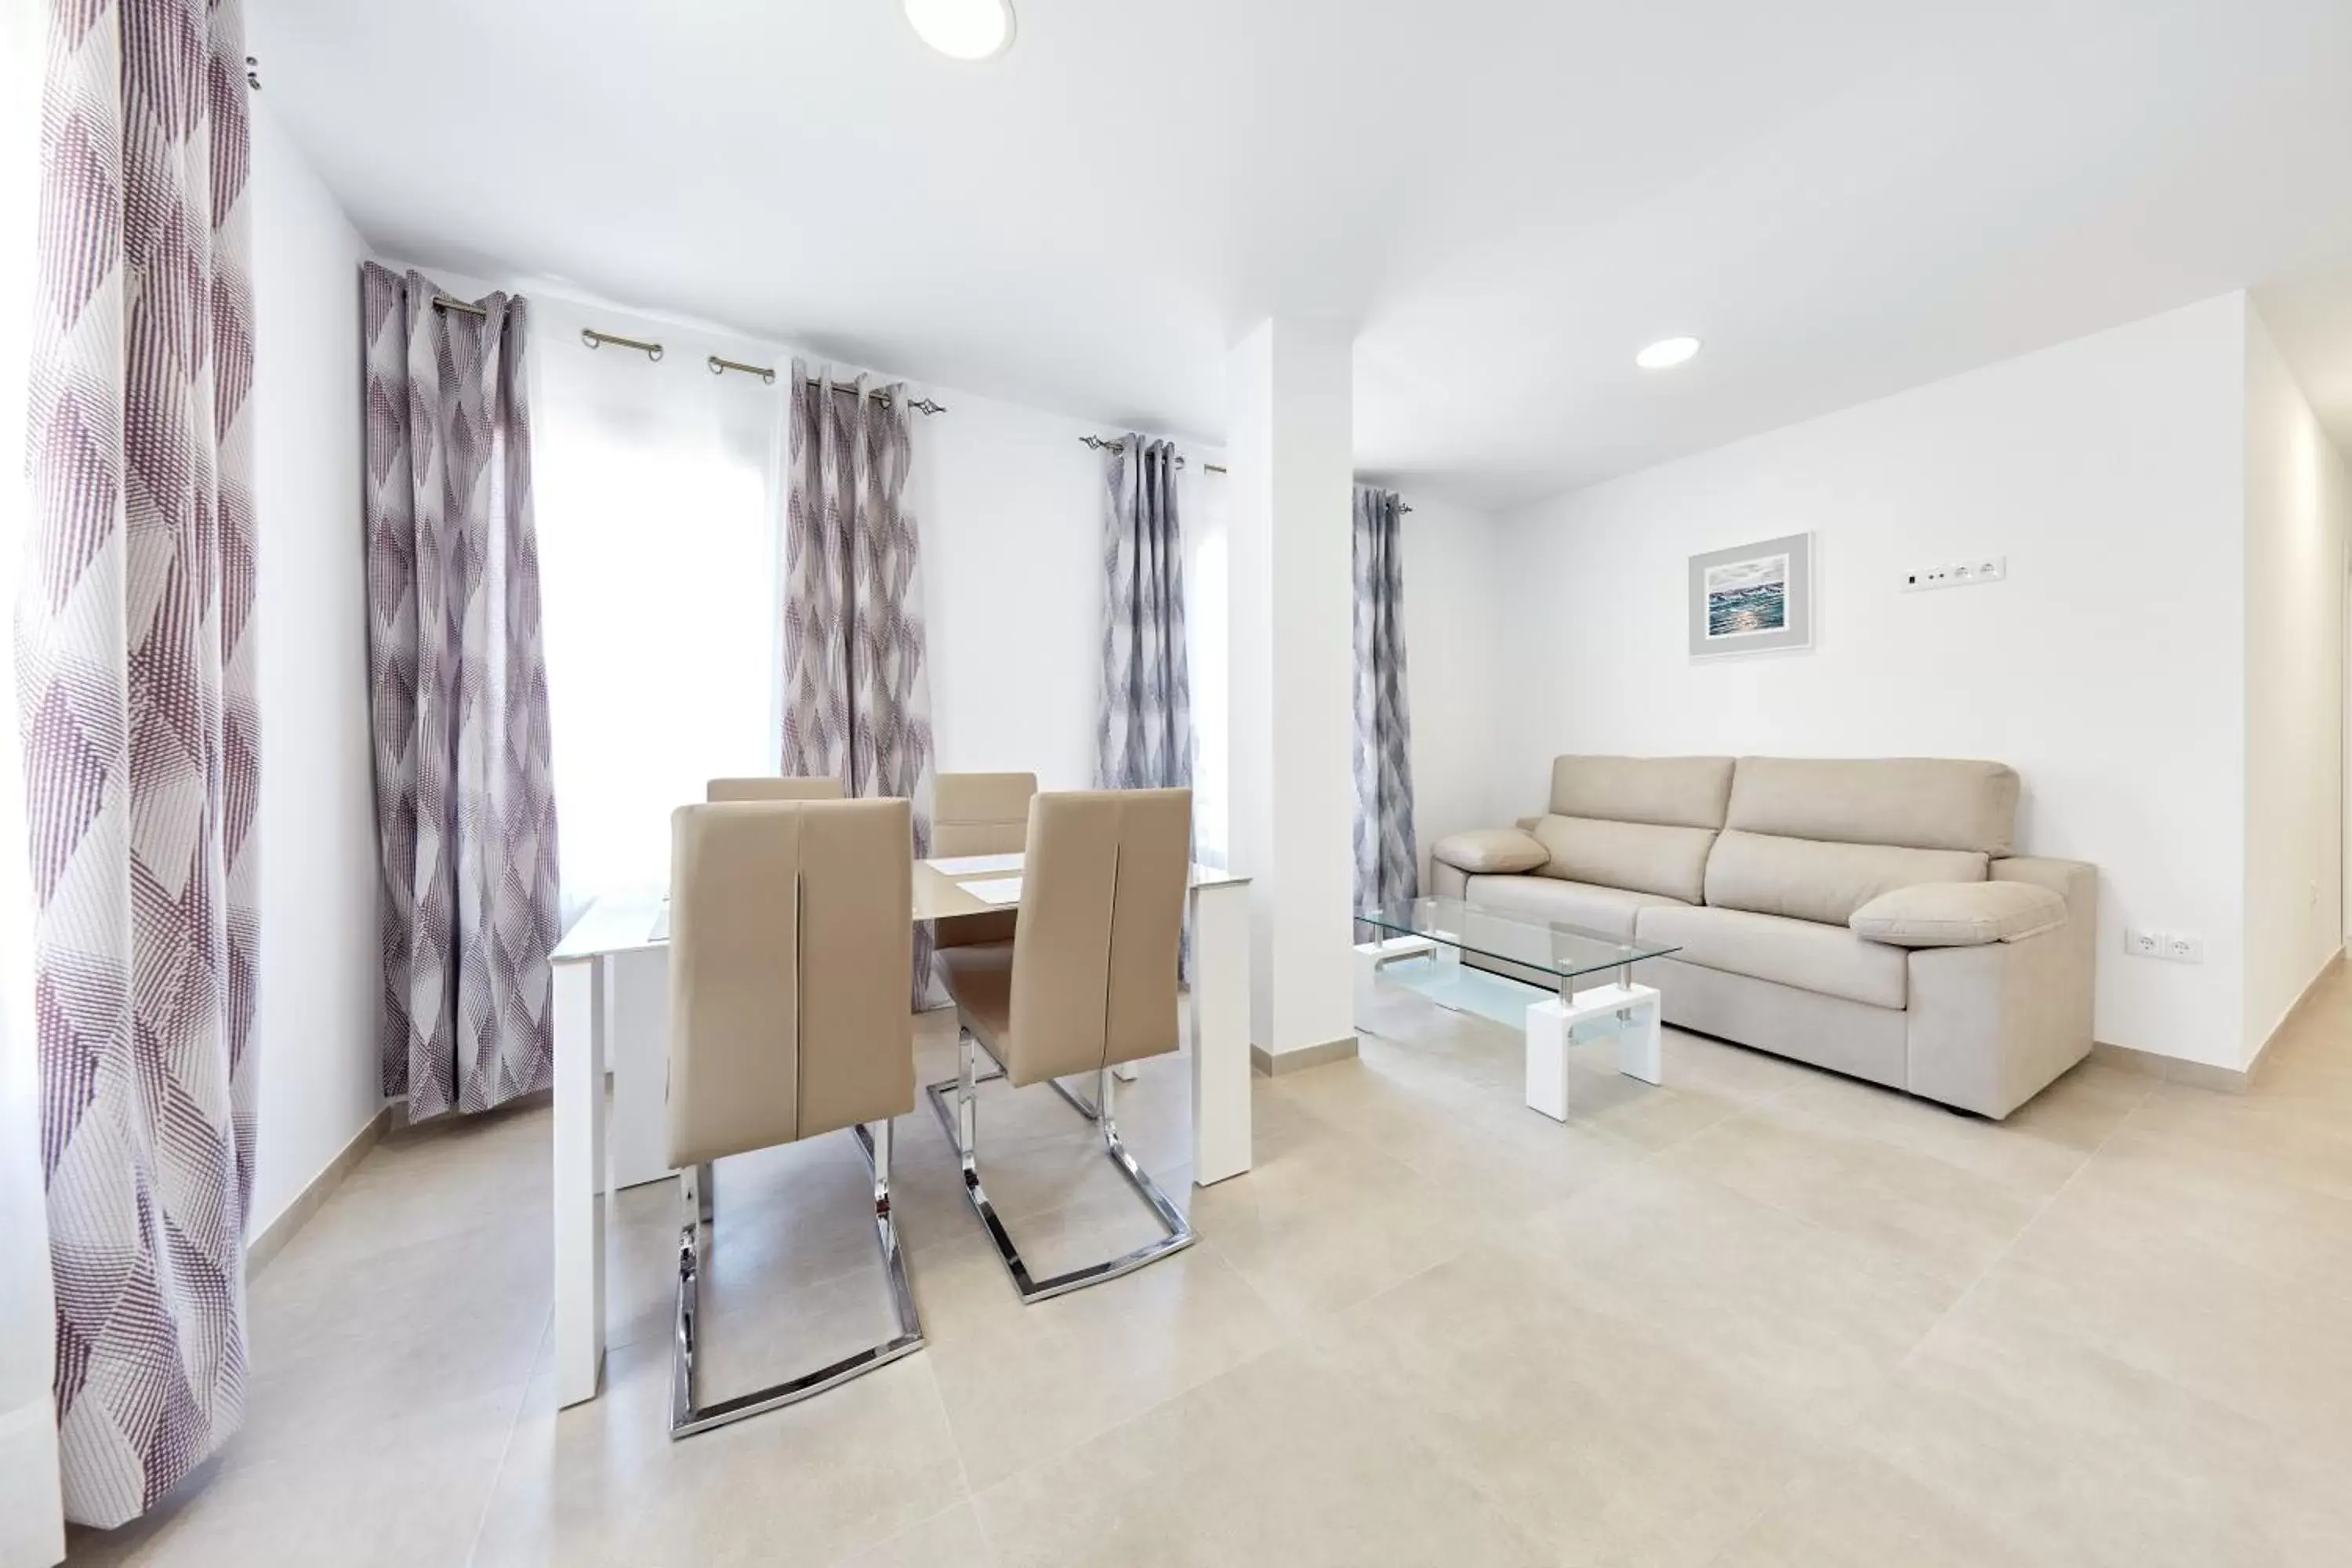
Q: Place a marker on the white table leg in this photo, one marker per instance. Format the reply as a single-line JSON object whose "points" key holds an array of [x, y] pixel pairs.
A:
{"points": [[637, 1036], [1641, 1052], [1370, 958], [1550, 1027], [579, 1173], [1221, 1032]]}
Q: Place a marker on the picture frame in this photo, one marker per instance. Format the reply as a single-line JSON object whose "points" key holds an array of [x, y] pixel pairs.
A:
{"points": [[1752, 598]]}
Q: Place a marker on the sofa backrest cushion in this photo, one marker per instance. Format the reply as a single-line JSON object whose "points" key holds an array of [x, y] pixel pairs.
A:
{"points": [[1920, 803], [1811, 880], [1668, 792], [1639, 857]]}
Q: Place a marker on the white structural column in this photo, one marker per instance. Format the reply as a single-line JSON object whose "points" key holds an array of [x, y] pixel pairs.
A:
{"points": [[1289, 449]]}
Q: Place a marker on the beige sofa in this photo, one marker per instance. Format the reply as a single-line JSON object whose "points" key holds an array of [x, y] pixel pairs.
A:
{"points": [[1864, 916]]}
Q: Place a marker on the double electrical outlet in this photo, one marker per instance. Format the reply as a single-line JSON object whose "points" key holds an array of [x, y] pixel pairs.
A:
{"points": [[1957, 574], [2170, 946]]}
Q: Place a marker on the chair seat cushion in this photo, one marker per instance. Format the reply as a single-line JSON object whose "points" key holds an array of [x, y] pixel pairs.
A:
{"points": [[1959, 914], [1829, 959], [979, 980], [1492, 850], [1604, 911]]}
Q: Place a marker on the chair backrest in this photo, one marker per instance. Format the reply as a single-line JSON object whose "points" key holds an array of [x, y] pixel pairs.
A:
{"points": [[981, 814], [769, 788], [791, 934], [1102, 920]]}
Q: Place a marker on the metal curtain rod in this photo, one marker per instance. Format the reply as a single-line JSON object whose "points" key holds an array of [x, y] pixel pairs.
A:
{"points": [[1101, 445], [766, 372], [443, 302], [881, 396], [596, 340]]}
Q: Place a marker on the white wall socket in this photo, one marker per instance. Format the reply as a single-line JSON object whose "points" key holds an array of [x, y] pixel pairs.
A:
{"points": [[2173, 947], [1957, 574]]}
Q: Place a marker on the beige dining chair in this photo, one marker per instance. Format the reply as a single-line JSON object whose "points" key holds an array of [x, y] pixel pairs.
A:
{"points": [[979, 814], [791, 929], [1087, 983], [773, 788]]}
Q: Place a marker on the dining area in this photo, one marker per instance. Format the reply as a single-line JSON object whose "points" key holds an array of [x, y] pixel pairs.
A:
{"points": [[774, 996]]}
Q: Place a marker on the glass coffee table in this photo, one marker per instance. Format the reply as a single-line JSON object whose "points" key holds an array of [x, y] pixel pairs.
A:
{"points": [[1421, 945]]}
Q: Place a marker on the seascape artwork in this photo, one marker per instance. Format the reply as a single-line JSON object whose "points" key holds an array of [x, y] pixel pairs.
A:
{"points": [[1744, 597], [1753, 598]]}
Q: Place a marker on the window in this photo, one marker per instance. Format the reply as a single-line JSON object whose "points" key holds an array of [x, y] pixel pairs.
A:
{"points": [[654, 499]]}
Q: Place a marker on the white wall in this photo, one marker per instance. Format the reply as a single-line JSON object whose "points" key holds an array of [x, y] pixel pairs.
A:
{"points": [[316, 1034], [2298, 506], [2110, 669], [1010, 503], [1456, 695]]}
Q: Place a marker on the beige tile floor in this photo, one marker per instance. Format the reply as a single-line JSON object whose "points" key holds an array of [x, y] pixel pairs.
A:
{"points": [[1761, 1316]]}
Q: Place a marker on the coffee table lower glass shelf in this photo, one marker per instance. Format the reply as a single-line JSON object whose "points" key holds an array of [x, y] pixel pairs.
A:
{"points": [[1564, 999]]}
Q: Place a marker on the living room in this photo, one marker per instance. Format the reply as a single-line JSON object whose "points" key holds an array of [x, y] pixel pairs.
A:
{"points": [[1594, 758]]}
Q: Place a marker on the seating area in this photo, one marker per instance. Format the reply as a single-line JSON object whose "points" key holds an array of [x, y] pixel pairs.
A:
{"points": [[1871, 917], [1514, 786]]}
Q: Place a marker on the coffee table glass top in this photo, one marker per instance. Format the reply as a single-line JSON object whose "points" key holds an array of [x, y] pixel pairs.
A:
{"points": [[1522, 940]]}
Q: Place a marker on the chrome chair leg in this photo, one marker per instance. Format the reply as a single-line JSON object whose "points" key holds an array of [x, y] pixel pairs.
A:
{"points": [[962, 1126], [688, 1418]]}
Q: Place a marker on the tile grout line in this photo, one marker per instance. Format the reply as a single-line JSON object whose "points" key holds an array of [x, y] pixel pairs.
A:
{"points": [[2040, 1209], [505, 1448]]}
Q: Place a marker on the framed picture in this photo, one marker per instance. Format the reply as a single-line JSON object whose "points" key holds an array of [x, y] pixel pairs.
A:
{"points": [[1753, 599]]}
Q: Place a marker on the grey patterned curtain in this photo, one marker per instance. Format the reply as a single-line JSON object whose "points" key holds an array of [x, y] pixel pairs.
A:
{"points": [[465, 797], [858, 696], [141, 741], [1386, 866], [1143, 731]]}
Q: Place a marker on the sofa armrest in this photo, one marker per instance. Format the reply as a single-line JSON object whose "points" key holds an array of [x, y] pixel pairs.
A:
{"points": [[1491, 851], [1990, 1026], [1959, 914]]}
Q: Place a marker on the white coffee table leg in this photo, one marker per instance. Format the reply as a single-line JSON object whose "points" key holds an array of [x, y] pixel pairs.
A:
{"points": [[1639, 1052], [1370, 958], [1550, 1026]]}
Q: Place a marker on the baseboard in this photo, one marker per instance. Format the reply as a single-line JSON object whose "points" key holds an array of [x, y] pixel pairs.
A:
{"points": [[2206, 1075], [1275, 1064], [2172, 1069], [280, 1231], [32, 1510]]}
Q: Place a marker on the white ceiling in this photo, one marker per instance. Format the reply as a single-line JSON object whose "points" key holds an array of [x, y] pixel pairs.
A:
{"points": [[1844, 197]]}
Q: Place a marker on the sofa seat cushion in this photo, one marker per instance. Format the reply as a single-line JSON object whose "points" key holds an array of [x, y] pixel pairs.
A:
{"points": [[1809, 955], [1492, 850], [1808, 879], [1604, 911], [1639, 857], [1959, 914]]}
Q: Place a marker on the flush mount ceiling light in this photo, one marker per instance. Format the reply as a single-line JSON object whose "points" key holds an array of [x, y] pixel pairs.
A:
{"points": [[962, 29], [1666, 354]]}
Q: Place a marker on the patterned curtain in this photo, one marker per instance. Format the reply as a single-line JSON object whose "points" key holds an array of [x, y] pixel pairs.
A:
{"points": [[1386, 866], [857, 698], [136, 702], [465, 801], [1143, 731]]}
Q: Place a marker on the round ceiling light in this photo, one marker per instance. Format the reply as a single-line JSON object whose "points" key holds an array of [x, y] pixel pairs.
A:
{"points": [[962, 29], [1666, 354]]}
